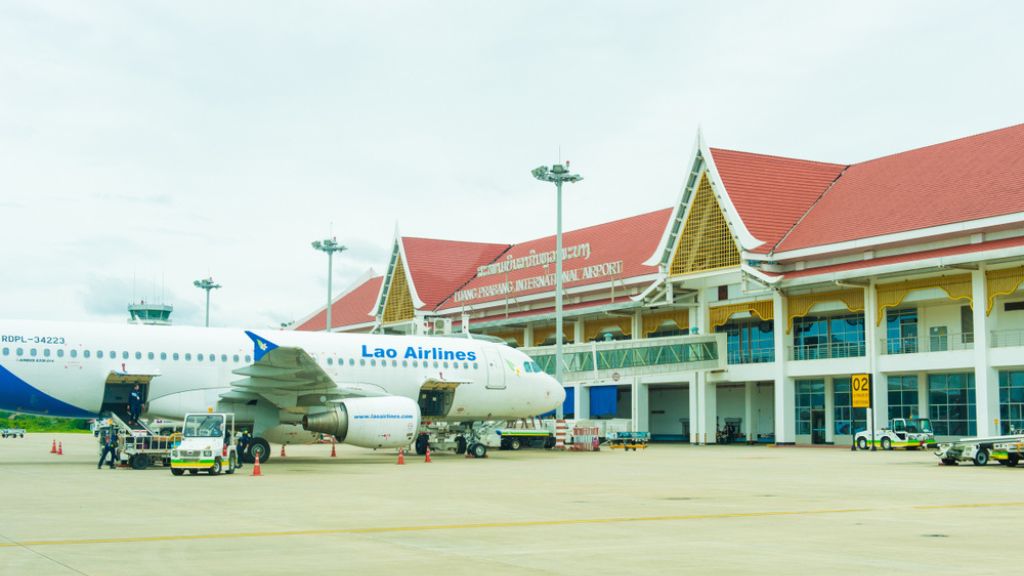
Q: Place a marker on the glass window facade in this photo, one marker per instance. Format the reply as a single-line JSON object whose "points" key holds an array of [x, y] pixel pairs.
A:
{"points": [[839, 336], [901, 331], [951, 404], [1011, 402], [904, 400], [749, 341], [843, 410], [810, 395]]}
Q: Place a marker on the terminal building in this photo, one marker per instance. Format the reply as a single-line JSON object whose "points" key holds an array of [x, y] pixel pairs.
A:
{"points": [[740, 311]]}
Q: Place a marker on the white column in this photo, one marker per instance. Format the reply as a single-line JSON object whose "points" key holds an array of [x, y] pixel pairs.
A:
{"points": [[830, 410], [638, 326], [750, 427], [641, 409], [577, 337], [709, 406], [785, 393], [581, 402], [923, 403], [880, 391], [528, 336], [694, 409], [986, 380]]}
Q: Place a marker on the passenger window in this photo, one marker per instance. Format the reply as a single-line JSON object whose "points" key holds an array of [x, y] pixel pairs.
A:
{"points": [[362, 362], [74, 353], [527, 367], [124, 355], [373, 362], [138, 355], [351, 361], [199, 357], [248, 359], [151, 356], [188, 356], [235, 358], [85, 354], [330, 361], [405, 363], [32, 352], [113, 354], [60, 353], [99, 354], [476, 366], [223, 357], [46, 352], [7, 351], [163, 355], [213, 357], [174, 356], [435, 363], [394, 363], [445, 365], [465, 365]]}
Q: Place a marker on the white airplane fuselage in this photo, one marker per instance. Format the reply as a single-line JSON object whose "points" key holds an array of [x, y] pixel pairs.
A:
{"points": [[60, 368]]}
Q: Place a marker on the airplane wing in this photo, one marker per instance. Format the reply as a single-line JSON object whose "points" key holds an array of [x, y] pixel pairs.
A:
{"points": [[289, 377]]}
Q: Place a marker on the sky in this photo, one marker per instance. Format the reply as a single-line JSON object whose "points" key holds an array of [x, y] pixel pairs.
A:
{"points": [[144, 145]]}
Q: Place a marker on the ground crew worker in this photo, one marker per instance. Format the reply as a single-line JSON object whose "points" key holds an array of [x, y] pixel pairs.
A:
{"points": [[109, 447], [243, 447], [135, 404]]}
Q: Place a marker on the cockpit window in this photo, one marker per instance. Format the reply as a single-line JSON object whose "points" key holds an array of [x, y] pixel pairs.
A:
{"points": [[527, 366], [532, 366]]}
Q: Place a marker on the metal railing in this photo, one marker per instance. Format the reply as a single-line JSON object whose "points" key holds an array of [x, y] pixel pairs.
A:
{"points": [[934, 343], [826, 350], [632, 357], [1007, 338], [752, 356]]}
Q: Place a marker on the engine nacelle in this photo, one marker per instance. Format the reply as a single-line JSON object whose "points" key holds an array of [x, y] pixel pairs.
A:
{"points": [[384, 422]]}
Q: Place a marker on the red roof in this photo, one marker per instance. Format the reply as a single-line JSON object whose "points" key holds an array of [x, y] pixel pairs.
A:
{"points": [[613, 250], [968, 179], [771, 193], [914, 256], [439, 267], [354, 307]]}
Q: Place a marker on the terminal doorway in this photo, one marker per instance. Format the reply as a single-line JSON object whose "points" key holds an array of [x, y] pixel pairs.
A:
{"points": [[668, 412], [817, 426]]}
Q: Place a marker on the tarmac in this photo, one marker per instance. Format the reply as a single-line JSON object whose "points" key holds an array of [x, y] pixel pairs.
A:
{"points": [[669, 509]]}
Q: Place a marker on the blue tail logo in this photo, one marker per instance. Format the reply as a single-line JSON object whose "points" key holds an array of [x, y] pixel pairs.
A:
{"points": [[261, 346]]}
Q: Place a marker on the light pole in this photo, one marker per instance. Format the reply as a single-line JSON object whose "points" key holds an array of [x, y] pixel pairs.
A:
{"points": [[330, 246], [557, 174], [206, 284]]}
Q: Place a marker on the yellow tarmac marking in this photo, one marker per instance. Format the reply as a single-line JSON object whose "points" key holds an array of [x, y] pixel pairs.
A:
{"points": [[482, 525]]}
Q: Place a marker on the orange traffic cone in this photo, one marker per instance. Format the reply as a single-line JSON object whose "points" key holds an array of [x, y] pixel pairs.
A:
{"points": [[334, 453], [427, 459], [60, 449], [282, 451], [401, 456], [256, 467], [53, 449]]}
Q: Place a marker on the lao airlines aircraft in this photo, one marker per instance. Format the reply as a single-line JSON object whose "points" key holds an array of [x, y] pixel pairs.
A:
{"points": [[366, 390]]}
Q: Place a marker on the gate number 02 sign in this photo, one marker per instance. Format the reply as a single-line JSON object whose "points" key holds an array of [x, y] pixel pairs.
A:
{"points": [[861, 388]]}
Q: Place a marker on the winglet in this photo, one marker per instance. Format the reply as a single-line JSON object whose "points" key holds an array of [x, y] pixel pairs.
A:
{"points": [[261, 346]]}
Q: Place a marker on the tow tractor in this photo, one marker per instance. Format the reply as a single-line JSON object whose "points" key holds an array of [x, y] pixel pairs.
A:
{"points": [[909, 433], [1008, 452], [206, 445]]}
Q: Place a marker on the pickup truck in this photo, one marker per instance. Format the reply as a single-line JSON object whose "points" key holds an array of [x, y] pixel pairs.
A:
{"points": [[12, 432]]}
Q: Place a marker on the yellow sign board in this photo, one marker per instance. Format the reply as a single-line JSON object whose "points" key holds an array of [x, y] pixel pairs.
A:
{"points": [[860, 385]]}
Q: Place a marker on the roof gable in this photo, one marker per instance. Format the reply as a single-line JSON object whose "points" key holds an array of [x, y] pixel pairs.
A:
{"points": [[972, 178], [352, 308], [613, 250], [771, 193], [436, 268]]}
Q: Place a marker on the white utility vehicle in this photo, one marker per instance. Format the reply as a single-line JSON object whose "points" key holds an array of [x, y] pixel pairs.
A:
{"points": [[909, 433], [206, 445], [13, 432], [980, 450]]}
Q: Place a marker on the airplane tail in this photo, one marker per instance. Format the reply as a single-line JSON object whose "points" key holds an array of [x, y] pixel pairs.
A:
{"points": [[261, 346]]}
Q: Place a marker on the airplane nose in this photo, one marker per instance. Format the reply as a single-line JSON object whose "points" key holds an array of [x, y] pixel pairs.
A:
{"points": [[557, 392]]}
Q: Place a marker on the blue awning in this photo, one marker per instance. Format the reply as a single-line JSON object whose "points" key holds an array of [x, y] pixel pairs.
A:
{"points": [[603, 401]]}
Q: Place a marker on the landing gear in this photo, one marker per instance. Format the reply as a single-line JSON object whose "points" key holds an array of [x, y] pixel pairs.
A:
{"points": [[259, 446], [478, 450], [422, 443]]}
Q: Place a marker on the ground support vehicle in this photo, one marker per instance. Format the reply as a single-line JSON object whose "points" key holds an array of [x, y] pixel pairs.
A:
{"points": [[1008, 452], [206, 445], [975, 450], [908, 433], [12, 432], [142, 446], [628, 440], [516, 438]]}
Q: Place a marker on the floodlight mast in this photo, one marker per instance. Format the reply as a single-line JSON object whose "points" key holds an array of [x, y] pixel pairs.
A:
{"points": [[330, 246], [206, 284], [557, 174]]}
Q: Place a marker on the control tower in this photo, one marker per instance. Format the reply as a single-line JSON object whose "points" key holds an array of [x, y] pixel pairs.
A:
{"points": [[155, 314]]}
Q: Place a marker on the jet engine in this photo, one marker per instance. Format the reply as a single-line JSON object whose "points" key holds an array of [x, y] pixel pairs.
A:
{"points": [[381, 422]]}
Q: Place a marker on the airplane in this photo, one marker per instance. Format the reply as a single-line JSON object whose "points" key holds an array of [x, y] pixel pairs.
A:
{"points": [[368, 390]]}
